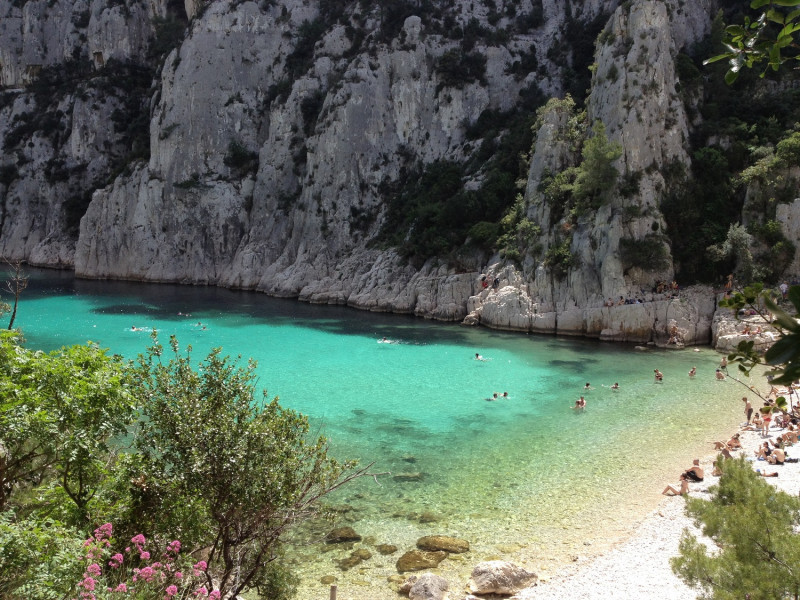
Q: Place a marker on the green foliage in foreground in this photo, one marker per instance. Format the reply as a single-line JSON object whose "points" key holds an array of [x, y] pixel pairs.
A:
{"points": [[58, 415], [164, 447], [771, 38], [784, 355], [753, 526]]}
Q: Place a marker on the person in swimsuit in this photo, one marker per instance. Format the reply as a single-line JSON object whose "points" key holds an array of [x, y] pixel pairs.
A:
{"points": [[748, 409], [659, 376], [766, 419], [777, 457], [682, 492], [693, 372], [695, 472]]}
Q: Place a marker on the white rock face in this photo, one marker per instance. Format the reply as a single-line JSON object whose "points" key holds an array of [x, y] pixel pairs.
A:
{"points": [[788, 215], [634, 95], [44, 33], [302, 224], [270, 157]]}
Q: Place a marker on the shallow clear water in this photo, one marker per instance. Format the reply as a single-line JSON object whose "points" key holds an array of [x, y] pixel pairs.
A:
{"points": [[525, 478]]}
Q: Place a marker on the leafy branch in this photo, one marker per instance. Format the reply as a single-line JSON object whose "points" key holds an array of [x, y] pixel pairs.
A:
{"points": [[771, 38], [784, 356]]}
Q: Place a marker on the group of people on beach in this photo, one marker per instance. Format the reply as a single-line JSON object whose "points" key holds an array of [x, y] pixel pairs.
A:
{"points": [[771, 451]]}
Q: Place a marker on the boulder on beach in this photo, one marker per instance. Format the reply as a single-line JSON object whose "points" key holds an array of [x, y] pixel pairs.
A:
{"points": [[425, 587], [443, 542], [499, 577], [418, 560], [341, 535]]}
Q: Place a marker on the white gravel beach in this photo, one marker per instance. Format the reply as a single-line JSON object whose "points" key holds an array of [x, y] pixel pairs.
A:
{"points": [[639, 567]]}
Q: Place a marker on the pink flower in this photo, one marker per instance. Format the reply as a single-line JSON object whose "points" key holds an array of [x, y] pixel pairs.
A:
{"points": [[171, 591], [202, 592], [138, 540], [178, 575], [93, 569], [128, 549], [121, 588], [199, 568], [88, 583], [174, 546], [145, 574], [144, 555], [116, 561], [104, 531], [214, 595]]}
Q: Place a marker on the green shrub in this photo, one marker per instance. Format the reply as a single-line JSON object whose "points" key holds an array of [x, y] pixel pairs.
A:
{"points": [[456, 69], [240, 159], [560, 259], [649, 253]]}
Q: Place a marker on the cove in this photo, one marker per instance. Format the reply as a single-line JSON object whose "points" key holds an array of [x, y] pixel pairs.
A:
{"points": [[524, 478]]}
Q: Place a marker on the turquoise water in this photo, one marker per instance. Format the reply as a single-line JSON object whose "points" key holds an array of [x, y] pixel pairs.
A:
{"points": [[526, 477]]}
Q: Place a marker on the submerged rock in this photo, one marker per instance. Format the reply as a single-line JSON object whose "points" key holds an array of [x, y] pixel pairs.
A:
{"points": [[386, 549], [356, 558], [417, 560], [443, 542], [413, 476], [429, 517], [341, 535]]}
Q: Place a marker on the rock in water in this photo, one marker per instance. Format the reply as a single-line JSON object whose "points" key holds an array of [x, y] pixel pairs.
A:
{"points": [[418, 560], [341, 535], [443, 542]]}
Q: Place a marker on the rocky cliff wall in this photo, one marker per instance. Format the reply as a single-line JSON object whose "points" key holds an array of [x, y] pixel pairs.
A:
{"points": [[261, 152]]}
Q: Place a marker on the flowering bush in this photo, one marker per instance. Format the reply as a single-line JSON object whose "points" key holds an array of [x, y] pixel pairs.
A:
{"points": [[133, 575]]}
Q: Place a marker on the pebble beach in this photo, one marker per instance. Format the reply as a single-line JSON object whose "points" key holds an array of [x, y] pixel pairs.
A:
{"points": [[639, 567]]}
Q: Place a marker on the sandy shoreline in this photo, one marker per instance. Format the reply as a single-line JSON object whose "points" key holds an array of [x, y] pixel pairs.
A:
{"points": [[639, 567]]}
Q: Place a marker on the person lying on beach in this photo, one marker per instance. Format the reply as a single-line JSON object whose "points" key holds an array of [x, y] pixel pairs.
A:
{"points": [[695, 472], [671, 491], [765, 474]]}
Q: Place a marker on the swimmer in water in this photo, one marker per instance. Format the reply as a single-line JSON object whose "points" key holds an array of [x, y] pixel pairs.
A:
{"points": [[615, 386], [693, 372], [478, 357]]}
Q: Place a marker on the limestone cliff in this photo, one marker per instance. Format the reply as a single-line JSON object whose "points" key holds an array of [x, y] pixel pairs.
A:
{"points": [[265, 145]]}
